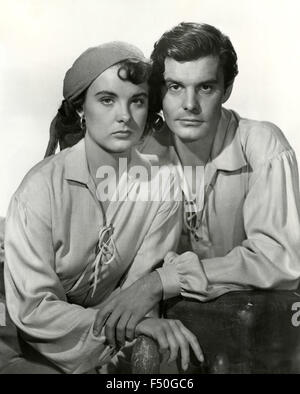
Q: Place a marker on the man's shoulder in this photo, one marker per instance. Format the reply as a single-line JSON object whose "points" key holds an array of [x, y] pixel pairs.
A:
{"points": [[261, 140]]}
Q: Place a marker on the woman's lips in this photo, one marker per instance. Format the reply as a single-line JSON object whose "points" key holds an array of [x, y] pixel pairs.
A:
{"points": [[122, 133]]}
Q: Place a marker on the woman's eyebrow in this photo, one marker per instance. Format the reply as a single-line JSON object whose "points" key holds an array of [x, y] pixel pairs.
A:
{"points": [[142, 94], [107, 92]]}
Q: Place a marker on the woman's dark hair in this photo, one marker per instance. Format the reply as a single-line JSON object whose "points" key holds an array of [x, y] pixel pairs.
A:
{"points": [[67, 128], [137, 72], [191, 41]]}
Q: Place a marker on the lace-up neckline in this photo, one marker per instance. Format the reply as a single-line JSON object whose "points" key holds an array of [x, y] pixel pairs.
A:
{"points": [[105, 253]]}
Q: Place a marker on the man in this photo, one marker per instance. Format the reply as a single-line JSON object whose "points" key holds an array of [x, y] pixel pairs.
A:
{"points": [[242, 220], [239, 181]]}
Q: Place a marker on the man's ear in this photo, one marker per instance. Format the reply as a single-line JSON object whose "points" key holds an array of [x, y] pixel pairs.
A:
{"points": [[227, 93]]}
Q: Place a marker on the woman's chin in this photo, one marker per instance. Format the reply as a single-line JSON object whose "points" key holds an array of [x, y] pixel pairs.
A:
{"points": [[120, 146]]}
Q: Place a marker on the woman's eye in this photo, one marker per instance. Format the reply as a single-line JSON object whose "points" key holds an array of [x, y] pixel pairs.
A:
{"points": [[139, 101], [106, 101]]}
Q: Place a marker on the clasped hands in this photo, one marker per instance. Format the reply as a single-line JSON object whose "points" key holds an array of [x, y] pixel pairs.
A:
{"points": [[123, 318]]}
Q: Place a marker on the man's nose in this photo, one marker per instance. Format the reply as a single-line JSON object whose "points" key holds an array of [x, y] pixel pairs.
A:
{"points": [[191, 102]]}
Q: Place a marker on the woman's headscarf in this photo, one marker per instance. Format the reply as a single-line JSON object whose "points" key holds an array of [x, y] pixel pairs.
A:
{"points": [[66, 127]]}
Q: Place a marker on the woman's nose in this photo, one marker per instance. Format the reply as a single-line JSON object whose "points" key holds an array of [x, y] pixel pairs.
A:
{"points": [[124, 115]]}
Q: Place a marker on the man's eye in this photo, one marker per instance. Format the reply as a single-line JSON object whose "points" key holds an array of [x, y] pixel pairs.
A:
{"points": [[206, 88], [174, 87], [107, 101]]}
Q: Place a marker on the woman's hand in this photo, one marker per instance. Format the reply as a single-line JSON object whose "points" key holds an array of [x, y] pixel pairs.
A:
{"points": [[171, 335]]}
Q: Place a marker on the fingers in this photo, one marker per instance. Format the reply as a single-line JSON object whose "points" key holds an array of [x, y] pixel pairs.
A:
{"points": [[178, 337], [183, 344], [101, 318], [161, 337], [170, 256], [130, 328], [121, 329], [193, 341], [110, 328], [173, 343]]}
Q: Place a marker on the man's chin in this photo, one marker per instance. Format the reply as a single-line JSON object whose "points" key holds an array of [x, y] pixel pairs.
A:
{"points": [[189, 134]]}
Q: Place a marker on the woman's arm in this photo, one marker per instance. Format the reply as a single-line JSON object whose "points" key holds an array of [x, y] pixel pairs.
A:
{"points": [[142, 288], [36, 299]]}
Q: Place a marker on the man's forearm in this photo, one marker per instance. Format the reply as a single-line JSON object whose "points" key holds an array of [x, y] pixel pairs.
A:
{"points": [[153, 282]]}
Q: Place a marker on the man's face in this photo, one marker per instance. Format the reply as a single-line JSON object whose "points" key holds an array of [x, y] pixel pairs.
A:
{"points": [[115, 111], [192, 97]]}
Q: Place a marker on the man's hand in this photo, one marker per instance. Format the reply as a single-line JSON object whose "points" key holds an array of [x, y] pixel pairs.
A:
{"points": [[171, 336], [123, 312]]}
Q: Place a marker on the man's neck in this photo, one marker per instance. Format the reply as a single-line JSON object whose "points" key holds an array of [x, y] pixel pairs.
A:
{"points": [[98, 156], [195, 152]]}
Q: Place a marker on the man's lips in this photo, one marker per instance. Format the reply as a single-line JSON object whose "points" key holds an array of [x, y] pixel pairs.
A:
{"points": [[191, 120]]}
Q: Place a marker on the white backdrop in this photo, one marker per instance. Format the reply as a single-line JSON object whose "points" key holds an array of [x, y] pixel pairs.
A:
{"points": [[39, 40]]}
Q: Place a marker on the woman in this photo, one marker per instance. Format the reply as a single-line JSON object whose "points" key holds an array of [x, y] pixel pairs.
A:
{"points": [[71, 245]]}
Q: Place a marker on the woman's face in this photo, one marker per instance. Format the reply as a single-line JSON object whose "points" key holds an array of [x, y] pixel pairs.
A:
{"points": [[115, 111]]}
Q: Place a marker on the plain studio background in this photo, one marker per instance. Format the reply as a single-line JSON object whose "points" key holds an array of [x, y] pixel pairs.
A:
{"points": [[40, 39]]}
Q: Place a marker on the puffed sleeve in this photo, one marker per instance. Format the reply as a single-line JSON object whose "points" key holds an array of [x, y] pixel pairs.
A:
{"points": [[36, 300], [269, 257]]}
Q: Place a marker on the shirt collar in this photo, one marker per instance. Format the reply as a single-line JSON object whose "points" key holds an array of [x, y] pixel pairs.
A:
{"points": [[76, 167], [227, 153]]}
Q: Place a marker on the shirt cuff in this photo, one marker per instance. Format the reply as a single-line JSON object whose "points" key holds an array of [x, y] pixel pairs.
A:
{"points": [[170, 281]]}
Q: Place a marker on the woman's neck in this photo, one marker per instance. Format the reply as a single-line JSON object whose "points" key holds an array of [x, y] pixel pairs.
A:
{"points": [[98, 157]]}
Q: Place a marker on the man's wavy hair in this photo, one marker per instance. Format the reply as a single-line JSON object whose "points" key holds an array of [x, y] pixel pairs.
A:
{"points": [[67, 128], [191, 41]]}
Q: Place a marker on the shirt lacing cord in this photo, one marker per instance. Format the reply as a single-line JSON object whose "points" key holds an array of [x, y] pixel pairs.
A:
{"points": [[106, 251], [191, 218]]}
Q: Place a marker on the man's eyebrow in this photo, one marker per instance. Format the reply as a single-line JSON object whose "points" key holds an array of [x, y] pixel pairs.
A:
{"points": [[204, 82], [211, 81], [171, 80], [107, 92]]}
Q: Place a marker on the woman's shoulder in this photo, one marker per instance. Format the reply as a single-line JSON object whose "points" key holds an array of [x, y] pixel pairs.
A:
{"points": [[40, 177]]}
